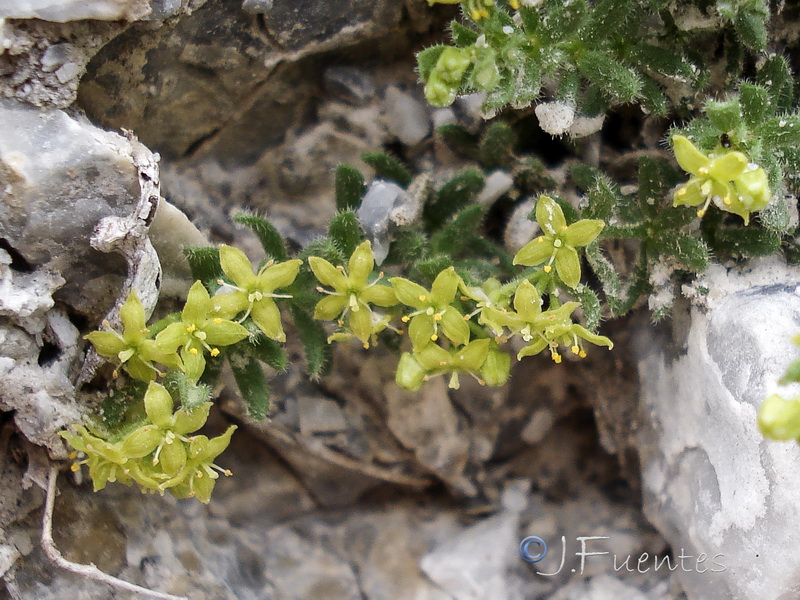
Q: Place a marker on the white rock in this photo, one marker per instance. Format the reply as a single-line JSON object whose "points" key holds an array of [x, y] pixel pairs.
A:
{"points": [[555, 117], [520, 229], [374, 212], [583, 126], [497, 184], [62, 11], [712, 484], [406, 117]]}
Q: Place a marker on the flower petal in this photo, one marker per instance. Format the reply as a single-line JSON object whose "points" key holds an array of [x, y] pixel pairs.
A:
{"points": [[132, 316], [142, 441], [535, 348], [194, 363], [592, 338], [409, 375], [188, 421], [410, 293], [361, 323], [197, 305], [139, 369], [229, 304], [379, 295], [688, 156], [278, 276], [361, 264], [434, 358], [472, 356], [221, 332], [268, 319], [454, 326], [689, 194], [535, 252], [107, 343], [444, 287], [330, 307], [172, 337], [568, 266], [158, 405], [527, 301], [728, 167], [583, 232], [236, 266], [420, 330], [327, 274], [172, 458], [549, 216]]}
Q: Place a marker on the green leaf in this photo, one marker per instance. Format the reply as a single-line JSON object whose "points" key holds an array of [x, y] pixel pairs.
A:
{"points": [[427, 270], [661, 61], [314, 340], [745, 241], [653, 98], [387, 167], [458, 233], [563, 19], [751, 27], [603, 197], [691, 252], [409, 246], [725, 115], [426, 61], [781, 132], [205, 267], [349, 187], [776, 76], [755, 103], [345, 231], [608, 17], [590, 304], [776, 216], [260, 347], [792, 374], [253, 386], [656, 178], [617, 81], [270, 239], [452, 196], [458, 139], [496, 150], [603, 268], [190, 394], [637, 287], [462, 36]]}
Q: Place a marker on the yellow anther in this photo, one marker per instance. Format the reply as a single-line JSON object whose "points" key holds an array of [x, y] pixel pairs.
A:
{"points": [[682, 191], [481, 382], [547, 268], [366, 345], [73, 455], [443, 363], [214, 352], [217, 321], [191, 328], [145, 330], [74, 467], [227, 472], [564, 228], [703, 170], [434, 337], [405, 319], [727, 200], [437, 317], [540, 239], [701, 213], [422, 298], [556, 357], [582, 354], [475, 14], [514, 4], [193, 351], [400, 332], [576, 350]]}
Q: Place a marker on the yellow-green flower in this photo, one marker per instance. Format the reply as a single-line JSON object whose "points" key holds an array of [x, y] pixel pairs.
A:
{"points": [[549, 328], [445, 78], [415, 369], [727, 178], [779, 418], [198, 331], [132, 349], [433, 309], [352, 293], [200, 474], [558, 242], [254, 292]]}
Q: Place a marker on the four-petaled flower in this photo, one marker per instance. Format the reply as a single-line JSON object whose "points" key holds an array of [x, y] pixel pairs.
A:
{"points": [[352, 294], [726, 178], [132, 349], [549, 328], [254, 292], [199, 330], [558, 242], [415, 369], [434, 309]]}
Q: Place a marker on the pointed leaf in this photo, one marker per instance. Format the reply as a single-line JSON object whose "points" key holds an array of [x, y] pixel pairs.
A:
{"points": [[345, 231], [314, 340], [387, 167], [253, 387], [270, 239], [349, 187]]}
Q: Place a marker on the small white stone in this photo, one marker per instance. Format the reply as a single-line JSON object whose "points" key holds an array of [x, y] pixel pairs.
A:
{"points": [[497, 184], [406, 117], [555, 117]]}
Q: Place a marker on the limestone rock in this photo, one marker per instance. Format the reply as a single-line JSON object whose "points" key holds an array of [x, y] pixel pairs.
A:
{"points": [[712, 484], [75, 10]]}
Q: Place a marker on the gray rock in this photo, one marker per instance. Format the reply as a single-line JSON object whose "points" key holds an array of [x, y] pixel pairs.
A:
{"points": [[406, 117], [374, 212], [74, 10], [255, 7], [351, 84], [712, 484], [58, 177]]}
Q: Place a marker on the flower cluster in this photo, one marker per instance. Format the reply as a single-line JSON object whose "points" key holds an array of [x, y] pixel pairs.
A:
{"points": [[725, 177], [456, 329], [158, 454]]}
